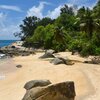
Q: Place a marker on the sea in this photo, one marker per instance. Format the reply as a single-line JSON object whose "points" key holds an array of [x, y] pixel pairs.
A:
{"points": [[6, 42]]}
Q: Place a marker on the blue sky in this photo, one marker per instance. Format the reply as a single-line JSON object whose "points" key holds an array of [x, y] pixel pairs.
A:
{"points": [[12, 12]]}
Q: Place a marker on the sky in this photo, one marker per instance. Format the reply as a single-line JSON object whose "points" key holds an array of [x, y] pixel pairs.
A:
{"points": [[12, 12]]}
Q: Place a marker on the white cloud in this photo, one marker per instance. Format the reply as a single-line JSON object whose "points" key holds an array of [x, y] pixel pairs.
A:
{"points": [[37, 10], [8, 32], [7, 29], [2, 19], [9, 7], [2, 15], [55, 13], [80, 3]]}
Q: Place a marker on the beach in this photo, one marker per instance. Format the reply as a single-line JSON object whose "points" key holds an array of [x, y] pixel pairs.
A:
{"points": [[50, 50], [85, 76]]}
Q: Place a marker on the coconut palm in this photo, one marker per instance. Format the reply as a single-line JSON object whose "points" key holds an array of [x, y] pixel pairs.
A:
{"points": [[59, 34], [88, 23]]}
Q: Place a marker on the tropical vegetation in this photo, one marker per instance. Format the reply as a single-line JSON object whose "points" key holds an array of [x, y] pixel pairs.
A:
{"points": [[73, 31]]}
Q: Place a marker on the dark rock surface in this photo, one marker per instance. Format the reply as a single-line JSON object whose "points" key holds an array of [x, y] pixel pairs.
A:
{"points": [[60, 91], [36, 83], [18, 66], [57, 61], [60, 60], [47, 55], [14, 51]]}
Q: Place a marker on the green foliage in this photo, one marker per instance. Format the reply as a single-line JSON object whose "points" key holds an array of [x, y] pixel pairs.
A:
{"points": [[87, 49], [84, 46], [28, 27], [87, 23], [67, 10], [97, 51], [39, 34], [81, 12], [58, 46], [49, 33], [75, 44], [96, 39], [79, 32], [28, 42], [45, 21], [96, 10], [66, 21]]}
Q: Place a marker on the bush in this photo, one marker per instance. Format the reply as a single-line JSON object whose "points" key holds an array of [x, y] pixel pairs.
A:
{"points": [[75, 44], [84, 47], [88, 49], [97, 51], [58, 46], [49, 33], [96, 39]]}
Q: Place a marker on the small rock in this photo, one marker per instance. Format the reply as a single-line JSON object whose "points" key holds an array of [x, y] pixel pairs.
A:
{"points": [[19, 66]]}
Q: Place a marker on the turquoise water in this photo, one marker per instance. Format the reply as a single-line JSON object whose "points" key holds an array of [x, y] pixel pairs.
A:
{"points": [[6, 42]]}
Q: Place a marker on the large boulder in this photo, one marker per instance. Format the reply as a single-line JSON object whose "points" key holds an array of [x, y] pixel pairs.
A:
{"points": [[36, 83], [47, 55], [60, 91], [60, 60]]}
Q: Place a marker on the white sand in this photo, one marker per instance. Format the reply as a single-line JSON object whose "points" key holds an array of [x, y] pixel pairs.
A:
{"points": [[85, 76]]}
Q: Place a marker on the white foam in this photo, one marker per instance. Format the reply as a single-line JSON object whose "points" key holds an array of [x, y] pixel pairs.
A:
{"points": [[2, 55]]}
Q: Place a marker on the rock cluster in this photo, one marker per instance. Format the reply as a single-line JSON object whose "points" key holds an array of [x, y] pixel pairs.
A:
{"points": [[94, 60], [56, 60], [14, 51], [59, 91]]}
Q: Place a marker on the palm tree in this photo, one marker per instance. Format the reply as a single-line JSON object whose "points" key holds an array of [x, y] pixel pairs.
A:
{"points": [[96, 10], [59, 34], [59, 39], [88, 24]]}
